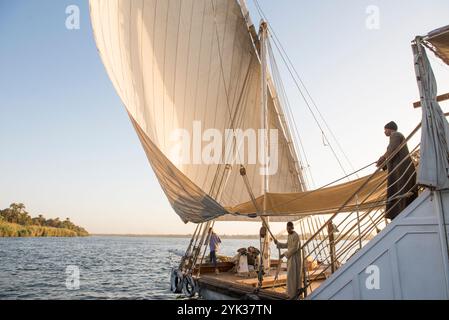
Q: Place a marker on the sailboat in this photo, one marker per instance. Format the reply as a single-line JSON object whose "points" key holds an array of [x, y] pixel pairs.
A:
{"points": [[199, 81]]}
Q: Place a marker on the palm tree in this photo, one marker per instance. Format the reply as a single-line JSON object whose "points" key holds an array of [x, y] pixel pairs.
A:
{"points": [[41, 220], [18, 214]]}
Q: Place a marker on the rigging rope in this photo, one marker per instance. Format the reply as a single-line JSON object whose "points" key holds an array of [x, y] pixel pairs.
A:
{"points": [[264, 222], [290, 118], [292, 70]]}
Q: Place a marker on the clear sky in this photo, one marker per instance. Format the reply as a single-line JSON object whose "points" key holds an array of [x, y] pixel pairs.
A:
{"points": [[67, 147]]}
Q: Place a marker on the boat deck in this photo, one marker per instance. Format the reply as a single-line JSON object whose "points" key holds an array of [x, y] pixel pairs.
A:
{"points": [[230, 284]]}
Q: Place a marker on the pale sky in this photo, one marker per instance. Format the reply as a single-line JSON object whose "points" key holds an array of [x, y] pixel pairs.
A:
{"points": [[67, 147]]}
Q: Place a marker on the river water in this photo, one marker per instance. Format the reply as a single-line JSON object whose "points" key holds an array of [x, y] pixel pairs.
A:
{"points": [[110, 267]]}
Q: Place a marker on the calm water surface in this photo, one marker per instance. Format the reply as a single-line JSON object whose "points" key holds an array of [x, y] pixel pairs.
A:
{"points": [[110, 267]]}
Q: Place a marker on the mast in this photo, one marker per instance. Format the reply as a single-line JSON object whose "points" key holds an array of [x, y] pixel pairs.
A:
{"points": [[271, 88], [265, 129]]}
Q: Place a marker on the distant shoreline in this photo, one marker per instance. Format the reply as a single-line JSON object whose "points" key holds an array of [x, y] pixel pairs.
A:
{"points": [[180, 236], [14, 230], [188, 236]]}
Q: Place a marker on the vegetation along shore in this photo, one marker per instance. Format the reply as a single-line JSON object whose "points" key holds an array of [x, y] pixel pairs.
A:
{"points": [[15, 221]]}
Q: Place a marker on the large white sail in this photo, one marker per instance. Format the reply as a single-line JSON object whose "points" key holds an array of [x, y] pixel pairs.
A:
{"points": [[177, 64]]}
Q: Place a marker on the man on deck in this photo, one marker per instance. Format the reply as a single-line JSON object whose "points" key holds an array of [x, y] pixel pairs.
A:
{"points": [[214, 243], [294, 261], [401, 187]]}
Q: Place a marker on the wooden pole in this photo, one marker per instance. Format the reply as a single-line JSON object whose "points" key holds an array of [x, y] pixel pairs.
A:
{"points": [[440, 98], [330, 231]]}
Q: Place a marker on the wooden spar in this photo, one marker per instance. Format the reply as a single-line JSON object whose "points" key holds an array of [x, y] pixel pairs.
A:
{"points": [[330, 231], [250, 25], [440, 98], [265, 125]]}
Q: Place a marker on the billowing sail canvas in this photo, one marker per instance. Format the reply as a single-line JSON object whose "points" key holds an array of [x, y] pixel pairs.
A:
{"points": [[433, 168], [438, 41], [371, 196], [183, 68]]}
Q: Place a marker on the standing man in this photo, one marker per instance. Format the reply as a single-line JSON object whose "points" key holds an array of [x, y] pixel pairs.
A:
{"points": [[401, 186], [214, 244], [294, 261]]}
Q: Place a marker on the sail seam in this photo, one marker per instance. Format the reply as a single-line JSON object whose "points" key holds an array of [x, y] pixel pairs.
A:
{"points": [[176, 63], [188, 61], [164, 74]]}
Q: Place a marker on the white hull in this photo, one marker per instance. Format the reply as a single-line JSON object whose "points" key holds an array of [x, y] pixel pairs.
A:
{"points": [[410, 255]]}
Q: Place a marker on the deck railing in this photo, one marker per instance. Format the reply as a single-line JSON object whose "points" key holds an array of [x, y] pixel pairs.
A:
{"points": [[333, 239]]}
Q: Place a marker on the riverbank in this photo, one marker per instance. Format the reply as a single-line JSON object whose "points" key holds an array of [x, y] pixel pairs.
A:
{"points": [[8, 229], [179, 236]]}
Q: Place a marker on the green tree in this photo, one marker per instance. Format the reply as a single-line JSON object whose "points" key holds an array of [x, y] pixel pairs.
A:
{"points": [[49, 222], [67, 224], [40, 220], [57, 223], [35, 222], [24, 219], [15, 212], [17, 207]]}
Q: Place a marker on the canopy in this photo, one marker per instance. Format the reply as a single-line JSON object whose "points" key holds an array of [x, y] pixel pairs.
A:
{"points": [[322, 201]]}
